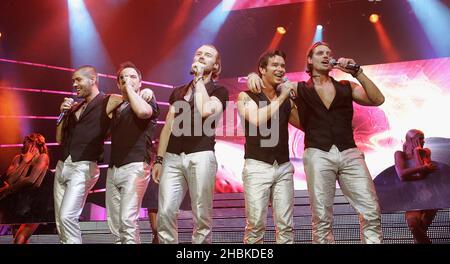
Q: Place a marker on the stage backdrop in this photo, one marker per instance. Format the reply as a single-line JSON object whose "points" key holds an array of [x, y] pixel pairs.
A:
{"points": [[417, 96]]}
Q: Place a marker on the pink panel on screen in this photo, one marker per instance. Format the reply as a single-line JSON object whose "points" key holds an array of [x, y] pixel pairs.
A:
{"points": [[246, 4]]}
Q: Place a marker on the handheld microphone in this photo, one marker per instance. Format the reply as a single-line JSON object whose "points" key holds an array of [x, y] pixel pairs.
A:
{"points": [[193, 70], [63, 114], [292, 94], [350, 66]]}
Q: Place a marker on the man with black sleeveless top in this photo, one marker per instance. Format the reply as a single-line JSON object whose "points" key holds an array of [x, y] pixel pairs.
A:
{"points": [[326, 111], [268, 173], [81, 133], [132, 127], [186, 159]]}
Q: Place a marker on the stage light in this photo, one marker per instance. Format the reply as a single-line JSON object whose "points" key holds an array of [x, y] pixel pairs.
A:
{"points": [[76, 3], [281, 30], [374, 18], [390, 52], [318, 36], [205, 32], [86, 44], [276, 39], [305, 31], [0, 34], [434, 17]]}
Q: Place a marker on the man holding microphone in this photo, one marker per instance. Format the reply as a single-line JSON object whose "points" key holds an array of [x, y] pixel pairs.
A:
{"points": [[133, 123], [325, 108]]}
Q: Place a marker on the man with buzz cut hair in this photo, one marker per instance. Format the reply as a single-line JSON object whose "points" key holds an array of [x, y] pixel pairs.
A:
{"points": [[81, 133]]}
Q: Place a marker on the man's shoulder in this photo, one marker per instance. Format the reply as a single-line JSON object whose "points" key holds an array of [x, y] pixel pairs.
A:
{"points": [[247, 93], [219, 91], [218, 87], [342, 82], [178, 89], [113, 97], [303, 84]]}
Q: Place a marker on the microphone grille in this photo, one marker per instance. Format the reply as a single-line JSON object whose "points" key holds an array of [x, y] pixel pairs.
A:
{"points": [[332, 61]]}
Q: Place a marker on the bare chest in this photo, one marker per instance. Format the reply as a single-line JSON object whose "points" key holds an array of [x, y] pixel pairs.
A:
{"points": [[326, 93]]}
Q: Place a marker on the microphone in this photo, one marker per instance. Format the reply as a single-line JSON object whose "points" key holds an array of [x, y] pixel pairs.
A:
{"points": [[292, 94], [63, 114], [193, 70], [350, 66]]}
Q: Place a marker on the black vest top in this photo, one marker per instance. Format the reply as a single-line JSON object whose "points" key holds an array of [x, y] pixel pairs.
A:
{"points": [[83, 139], [326, 127], [131, 137], [253, 148]]}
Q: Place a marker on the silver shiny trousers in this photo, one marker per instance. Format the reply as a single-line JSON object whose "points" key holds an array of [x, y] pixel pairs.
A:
{"points": [[195, 172], [350, 170], [125, 188], [73, 181], [264, 183]]}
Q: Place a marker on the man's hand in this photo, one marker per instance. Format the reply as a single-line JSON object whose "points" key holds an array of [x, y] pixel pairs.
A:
{"points": [[255, 83], [198, 68], [156, 172], [286, 88], [343, 62], [66, 104]]}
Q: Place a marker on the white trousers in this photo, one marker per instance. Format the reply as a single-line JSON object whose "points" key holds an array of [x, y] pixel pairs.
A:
{"points": [[196, 172], [73, 181], [125, 188], [264, 183], [349, 169]]}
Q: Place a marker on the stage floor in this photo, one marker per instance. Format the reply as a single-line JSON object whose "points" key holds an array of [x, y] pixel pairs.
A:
{"points": [[229, 223]]}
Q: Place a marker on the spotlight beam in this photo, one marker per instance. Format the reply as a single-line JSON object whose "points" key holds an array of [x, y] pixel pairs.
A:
{"points": [[434, 18], [318, 36], [86, 44]]}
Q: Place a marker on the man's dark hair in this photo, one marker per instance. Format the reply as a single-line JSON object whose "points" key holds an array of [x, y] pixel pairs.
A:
{"points": [[125, 65], [310, 53], [264, 58]]}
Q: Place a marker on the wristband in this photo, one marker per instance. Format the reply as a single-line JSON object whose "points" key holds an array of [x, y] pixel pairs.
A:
{"points": [[159, 159], [357, 73]]}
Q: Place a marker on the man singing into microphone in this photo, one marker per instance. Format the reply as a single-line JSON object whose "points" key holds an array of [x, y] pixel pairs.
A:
{"points": [[268, 173], [186, 159], [326, 109], [133, 123], [81, 133]]}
